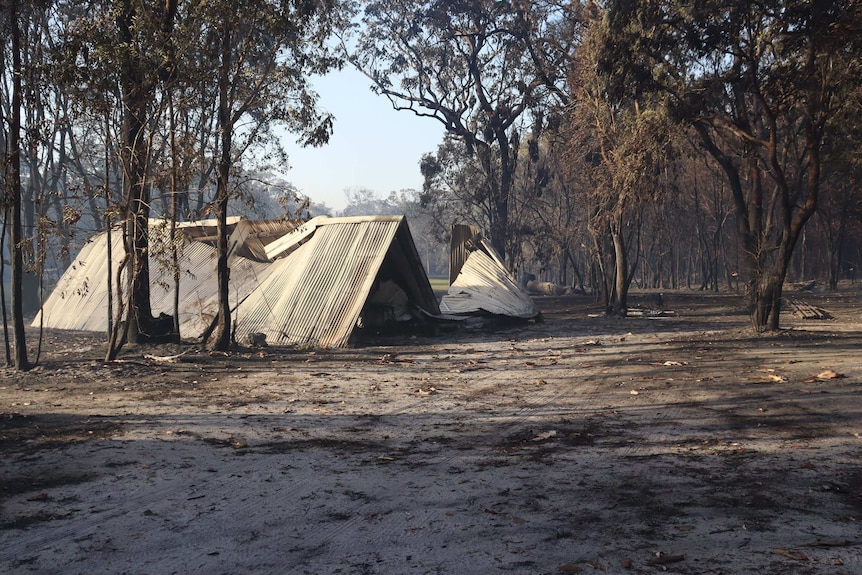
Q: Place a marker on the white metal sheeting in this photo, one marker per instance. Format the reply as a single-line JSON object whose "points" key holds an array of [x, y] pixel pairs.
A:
{"points": [[198, 304], [485, 285], [80, 300], [315, 295]]}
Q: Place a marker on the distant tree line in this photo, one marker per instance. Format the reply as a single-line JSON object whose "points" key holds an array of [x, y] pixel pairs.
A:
{"points": [[430, 233], [706, 145]]}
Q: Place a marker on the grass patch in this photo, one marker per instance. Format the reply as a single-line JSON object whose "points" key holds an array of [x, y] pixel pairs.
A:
{"points": [[439, 284]]}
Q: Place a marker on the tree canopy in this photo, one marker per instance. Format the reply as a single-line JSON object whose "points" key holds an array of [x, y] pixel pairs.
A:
{"points": [[478, 67], [759, 83]]}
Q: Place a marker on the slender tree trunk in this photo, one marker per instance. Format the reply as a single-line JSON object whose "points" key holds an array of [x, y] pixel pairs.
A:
{"points": [[4, 145], [621, 275], [108, 221], [835, 241], [3, 307], [579, 285], [175, 263], [223, 327], [601, 282], [14, 183]]}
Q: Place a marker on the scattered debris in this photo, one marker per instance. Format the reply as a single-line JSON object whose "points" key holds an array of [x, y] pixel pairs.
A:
{"points": [[166, 358], [256, 339], [662, 559], [825, 375], [640, 312], [545, 436], [805, 310], [770, 377], [792, 554]]}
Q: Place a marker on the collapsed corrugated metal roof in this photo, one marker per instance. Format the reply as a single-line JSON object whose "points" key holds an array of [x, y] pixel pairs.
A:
{"points": [[482, 282], [460, 248], [333, 275], [329, 280], [247, 238], [80, 299]]}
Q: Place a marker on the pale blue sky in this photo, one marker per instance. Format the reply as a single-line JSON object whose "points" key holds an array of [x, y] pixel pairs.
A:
{"points": [[373, 147]]}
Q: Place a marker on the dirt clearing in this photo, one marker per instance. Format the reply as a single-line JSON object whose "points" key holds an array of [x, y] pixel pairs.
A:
{"points": [[581, 444]]}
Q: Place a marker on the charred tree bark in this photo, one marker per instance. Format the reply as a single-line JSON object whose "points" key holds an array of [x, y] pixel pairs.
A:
{"points": [[137, 91], [14, 187], [223, 326], [619, 303]]}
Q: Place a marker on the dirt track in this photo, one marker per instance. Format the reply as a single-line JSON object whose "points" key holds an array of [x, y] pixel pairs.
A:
{"points": [[580, 444]]}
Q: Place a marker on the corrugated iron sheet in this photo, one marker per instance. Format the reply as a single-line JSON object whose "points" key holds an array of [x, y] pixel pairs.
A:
{"points": [[460, 248], [80, 300], [198, 302], [485, 285], [315, 295]]}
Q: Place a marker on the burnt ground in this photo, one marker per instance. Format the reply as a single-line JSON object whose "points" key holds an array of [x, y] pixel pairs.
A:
{"points": [[682, 443]]}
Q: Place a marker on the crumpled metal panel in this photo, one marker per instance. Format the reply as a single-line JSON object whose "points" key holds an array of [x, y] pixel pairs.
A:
{"points": [[315, 295], [460, 248], [485, 285], [80, 300], [256, 234]]}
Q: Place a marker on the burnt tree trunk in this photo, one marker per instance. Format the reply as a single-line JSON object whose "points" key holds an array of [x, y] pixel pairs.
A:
{"points": [[619, 303], [136, 94], [14, 182], [223, 326]]}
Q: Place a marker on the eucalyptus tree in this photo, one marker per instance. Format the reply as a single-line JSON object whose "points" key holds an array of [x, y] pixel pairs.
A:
{"points": [[477, 67], [113, 55], [144, 33], [262, 55], [622, 143], [757, 81], [452, 182], [13, 13], [364, 201]]}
